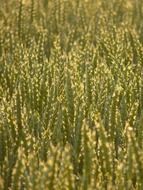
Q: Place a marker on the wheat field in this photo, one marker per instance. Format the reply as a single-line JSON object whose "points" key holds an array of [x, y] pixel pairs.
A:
{"points": [[71, 95]]}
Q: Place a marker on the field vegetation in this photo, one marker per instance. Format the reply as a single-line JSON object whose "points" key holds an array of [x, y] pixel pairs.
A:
{"points": [[71, 94]]}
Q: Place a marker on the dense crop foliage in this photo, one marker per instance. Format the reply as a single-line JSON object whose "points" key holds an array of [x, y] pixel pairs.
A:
{"points": [[71, 94]]}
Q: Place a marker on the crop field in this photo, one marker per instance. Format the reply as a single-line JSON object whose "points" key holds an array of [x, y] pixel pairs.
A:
{"points": [[71, 94]]}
